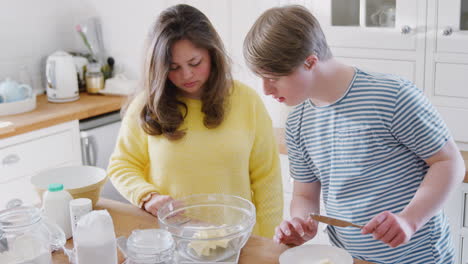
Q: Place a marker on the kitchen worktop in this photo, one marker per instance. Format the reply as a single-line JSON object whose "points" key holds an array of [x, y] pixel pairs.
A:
{"points": [[48, 114], [127, 217]]}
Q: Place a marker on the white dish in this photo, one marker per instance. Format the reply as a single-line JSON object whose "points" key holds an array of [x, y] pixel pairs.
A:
{"points": [[18, 107], [314, 254]]}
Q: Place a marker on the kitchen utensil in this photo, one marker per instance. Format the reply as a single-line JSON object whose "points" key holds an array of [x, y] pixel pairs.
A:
{"points": [[219, 226], [62, 81], [333, 221], [79, 181], [307, 254]]}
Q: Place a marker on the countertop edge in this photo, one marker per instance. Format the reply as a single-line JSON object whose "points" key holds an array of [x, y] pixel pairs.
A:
{"points": [[48, 114]]}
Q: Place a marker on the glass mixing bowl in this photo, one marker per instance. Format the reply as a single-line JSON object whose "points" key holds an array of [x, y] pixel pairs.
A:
{"points": [[208, 227]]}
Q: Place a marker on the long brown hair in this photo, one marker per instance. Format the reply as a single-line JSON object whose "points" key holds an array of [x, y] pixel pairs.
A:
{"points": [[282, 38], [163, 113]]}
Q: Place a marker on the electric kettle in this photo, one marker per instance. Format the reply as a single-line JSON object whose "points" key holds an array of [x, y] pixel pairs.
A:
{"points": [[61, 75]]}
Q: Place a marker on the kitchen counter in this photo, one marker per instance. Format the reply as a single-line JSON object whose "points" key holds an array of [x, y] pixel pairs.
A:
{"points": [[127, 217], [48, 114]]}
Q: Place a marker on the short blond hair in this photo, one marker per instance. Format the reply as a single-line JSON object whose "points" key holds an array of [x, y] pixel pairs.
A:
{"points": [[282, 38]]}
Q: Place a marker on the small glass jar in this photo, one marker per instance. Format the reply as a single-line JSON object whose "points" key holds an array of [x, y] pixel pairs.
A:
{"points": [[25, 237], [148, 246], [94, 78]]}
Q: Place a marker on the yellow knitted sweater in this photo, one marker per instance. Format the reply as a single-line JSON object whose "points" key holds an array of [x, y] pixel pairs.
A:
{"points": [[239, 157]]}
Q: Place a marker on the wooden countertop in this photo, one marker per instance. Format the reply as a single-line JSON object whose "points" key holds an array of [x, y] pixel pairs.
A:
{"points": [[127, 217], [48, 114]]}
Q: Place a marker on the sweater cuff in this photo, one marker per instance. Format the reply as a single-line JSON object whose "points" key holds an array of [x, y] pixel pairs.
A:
{"points": [[145, 198]]}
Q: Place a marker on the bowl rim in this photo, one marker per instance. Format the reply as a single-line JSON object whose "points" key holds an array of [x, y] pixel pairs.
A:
{"points": [[251, 224], [36, 175]]}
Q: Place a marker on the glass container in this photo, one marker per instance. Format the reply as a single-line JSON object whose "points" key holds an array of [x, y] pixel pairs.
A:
{"points": [[94, 78], [208, 227], [26, 237], [148, 246]]}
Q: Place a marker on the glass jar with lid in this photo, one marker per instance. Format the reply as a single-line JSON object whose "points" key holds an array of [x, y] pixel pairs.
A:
{"points": [[94, 78], [26, 237], [148, 246]]}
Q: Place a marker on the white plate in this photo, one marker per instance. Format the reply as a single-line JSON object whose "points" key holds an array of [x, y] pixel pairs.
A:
{"points": [[313, 254]]}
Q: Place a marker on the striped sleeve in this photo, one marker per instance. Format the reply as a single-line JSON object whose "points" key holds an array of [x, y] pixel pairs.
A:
{"points": [[299, 169], [417, 124]]}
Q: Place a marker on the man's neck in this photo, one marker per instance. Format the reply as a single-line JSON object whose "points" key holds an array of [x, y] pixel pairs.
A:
{"points": [[333, 81]]}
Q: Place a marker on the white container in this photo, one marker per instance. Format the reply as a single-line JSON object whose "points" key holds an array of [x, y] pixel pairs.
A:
{"points": [[18, 107], [55, 204], [78, 208]]}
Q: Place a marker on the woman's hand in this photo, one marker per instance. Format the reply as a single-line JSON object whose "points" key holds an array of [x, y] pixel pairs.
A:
{"points": [[155, 202], [392, 229], [296, 231]]}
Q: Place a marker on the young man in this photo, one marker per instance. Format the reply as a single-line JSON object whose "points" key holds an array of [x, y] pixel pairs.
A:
{"points": [[372, 143]]}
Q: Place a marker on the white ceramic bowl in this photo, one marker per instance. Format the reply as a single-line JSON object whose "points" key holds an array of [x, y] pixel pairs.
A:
{"points": [[79, 181], [315, 254]]}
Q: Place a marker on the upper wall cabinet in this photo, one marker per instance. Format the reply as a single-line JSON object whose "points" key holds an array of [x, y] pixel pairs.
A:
{"points": [[452, 26], [380, 24]]}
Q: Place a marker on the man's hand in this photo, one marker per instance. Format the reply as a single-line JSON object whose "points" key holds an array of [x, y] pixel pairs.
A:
{"points": [[392, 229], [296, 231], [155, 202]]}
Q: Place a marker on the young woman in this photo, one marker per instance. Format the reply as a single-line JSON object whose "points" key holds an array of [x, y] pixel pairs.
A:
{"points": [[193, 129]]}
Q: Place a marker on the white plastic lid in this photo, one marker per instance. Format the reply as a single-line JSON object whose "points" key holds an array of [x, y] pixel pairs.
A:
{"points": [[81, 203]]}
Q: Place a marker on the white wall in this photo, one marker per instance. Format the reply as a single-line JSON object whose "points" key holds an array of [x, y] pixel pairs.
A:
{"points": [[29, 32], [32, 30]]}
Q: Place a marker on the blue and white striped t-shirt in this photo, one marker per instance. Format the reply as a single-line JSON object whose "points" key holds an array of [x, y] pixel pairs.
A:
{"points": [[367, 150]]}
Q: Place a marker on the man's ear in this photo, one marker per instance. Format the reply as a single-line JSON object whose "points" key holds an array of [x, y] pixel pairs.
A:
{"points": [[310, 61]]}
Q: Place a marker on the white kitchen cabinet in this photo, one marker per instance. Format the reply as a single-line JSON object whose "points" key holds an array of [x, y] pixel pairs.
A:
{"points": [[385, 36], [452, 26], [375, 24], [447, 63], [26, 154], [464, 252]]}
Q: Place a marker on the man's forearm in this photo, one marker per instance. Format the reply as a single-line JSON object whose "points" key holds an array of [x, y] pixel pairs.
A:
{"points": [[302, 206], [440, 181], [306, 199]]}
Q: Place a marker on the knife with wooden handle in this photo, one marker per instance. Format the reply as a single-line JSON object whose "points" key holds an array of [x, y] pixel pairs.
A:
{"points": [[333, 221]]}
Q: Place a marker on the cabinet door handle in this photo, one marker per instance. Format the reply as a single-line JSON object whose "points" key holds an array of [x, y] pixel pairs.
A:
{"points": [[447, 31], [10, 160], [405, 30], [89, 150]]}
